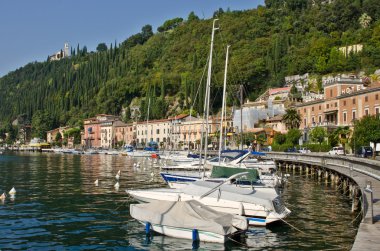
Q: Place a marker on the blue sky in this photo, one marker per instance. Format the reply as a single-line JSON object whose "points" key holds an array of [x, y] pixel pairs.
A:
{"points": [[31, 30]]}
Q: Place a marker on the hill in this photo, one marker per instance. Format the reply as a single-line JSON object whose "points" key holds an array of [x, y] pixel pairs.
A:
{"points": [[268, 43]]}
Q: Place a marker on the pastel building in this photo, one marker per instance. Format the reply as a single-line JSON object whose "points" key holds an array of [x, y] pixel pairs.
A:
{"points": [[52, 134], [124, 133], [344, 101], [92, 130]]}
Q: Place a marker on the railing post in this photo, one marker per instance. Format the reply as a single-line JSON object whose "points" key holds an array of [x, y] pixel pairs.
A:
{"points": [[369, 198]]}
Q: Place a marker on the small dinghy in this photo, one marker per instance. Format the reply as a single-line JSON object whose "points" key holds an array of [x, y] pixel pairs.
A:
{"points": [[188, 220]]}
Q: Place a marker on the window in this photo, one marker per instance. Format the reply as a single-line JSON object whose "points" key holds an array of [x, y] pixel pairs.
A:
{"points": [[336, 104], [320, 119], [366, 111], [327, 106], [377, 96], [344, 102], [312, 109], [344, 117], [312, 120], [353, 115], [158, 131], [353, 101], [366, 98], [320, 107], [331, 93], [377, 111], [304, 110], [304, 122]]}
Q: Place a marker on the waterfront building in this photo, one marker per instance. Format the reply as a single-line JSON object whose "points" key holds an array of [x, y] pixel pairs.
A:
{"points": [[124, 133], [92, 130], [107, 134], [276, 123], [153, 131], [253, 112], [52, 134], [345, 100]]}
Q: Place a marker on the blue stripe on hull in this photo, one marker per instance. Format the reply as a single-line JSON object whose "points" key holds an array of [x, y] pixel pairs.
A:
{"points": [[177, 178]]}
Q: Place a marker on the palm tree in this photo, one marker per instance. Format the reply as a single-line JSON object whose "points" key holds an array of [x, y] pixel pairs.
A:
{"points": [[343, 134], [292, 119]]}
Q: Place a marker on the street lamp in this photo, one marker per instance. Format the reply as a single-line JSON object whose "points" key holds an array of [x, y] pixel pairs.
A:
{"points": [[353, 123]]}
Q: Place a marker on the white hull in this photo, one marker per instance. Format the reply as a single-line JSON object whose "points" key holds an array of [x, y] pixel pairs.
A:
{"points": [[257, 215], [186, 233], [140, 154]]}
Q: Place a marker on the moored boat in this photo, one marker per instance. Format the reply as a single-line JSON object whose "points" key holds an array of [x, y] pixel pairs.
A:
{"points": [[189, 220], [261, 207]]}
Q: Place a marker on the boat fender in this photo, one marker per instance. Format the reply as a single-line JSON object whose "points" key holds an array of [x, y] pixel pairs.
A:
{"points": [[241, 209], [147, 227], [195, 235]]}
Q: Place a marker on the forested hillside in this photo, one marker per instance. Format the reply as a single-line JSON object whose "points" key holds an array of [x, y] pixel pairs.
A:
{"points": [[283, 38]]}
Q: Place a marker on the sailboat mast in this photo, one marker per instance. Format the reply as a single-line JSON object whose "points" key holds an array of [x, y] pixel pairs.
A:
{"points": [[189, 133], [147, 121], [223, 105], [241, 116], [208, 86]]}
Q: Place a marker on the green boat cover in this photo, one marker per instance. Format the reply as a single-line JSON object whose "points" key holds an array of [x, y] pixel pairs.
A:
{"points": [[226, 172]]}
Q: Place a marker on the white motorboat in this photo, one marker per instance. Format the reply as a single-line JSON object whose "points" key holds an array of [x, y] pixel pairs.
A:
{"points": [[189, 220], [261, 207]]}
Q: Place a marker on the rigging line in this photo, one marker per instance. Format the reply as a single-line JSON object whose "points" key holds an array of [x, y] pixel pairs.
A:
{"points": [[200, 82]]}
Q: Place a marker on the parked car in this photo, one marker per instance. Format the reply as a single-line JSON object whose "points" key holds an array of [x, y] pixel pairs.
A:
{"points": [[364, 152], [337, 151], [304, 150], [291, 150]]}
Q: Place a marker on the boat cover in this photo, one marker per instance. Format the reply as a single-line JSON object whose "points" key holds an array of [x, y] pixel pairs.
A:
{"points": [[188, 214], [226, 172], [262, 197]]}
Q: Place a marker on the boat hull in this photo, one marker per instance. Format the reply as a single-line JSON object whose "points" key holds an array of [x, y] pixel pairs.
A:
{"points": [[256, 215], [186, 233]]}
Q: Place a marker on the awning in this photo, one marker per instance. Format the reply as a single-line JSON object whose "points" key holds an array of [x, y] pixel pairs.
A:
{"points": [[331, 112]]}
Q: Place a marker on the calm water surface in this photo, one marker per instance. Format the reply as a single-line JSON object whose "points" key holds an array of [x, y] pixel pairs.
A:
{"points": [[58, 207]]}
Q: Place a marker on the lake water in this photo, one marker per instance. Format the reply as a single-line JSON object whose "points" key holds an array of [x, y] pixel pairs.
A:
{"points": [[58, 207]]}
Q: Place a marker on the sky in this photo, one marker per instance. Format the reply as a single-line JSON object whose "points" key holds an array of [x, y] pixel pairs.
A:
{"points": [[32, 30]]}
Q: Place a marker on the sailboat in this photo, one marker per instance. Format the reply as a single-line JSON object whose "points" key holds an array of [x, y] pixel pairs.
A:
{"points": [[220, 163]]}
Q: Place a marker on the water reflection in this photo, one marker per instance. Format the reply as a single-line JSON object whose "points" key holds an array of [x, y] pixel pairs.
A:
{"points": [[58, 206]]}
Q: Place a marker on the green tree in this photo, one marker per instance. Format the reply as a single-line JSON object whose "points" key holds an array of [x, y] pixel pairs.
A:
{"points": [[366, 130], [318, 134], [280, 138], [292, 119], [58, 139], [261, 139], [192, 17], [74, 133], [170, 24], [343, 135], [293, 136], [41, 123], [101, 47], [3, 134], [12, 133]]}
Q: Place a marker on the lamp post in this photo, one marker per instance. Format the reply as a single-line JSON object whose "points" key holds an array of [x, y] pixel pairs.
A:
{"points": [[353, 123]]}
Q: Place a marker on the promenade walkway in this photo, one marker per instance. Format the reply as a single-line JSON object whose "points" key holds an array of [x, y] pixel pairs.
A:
{"points": [[362, 172]]}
